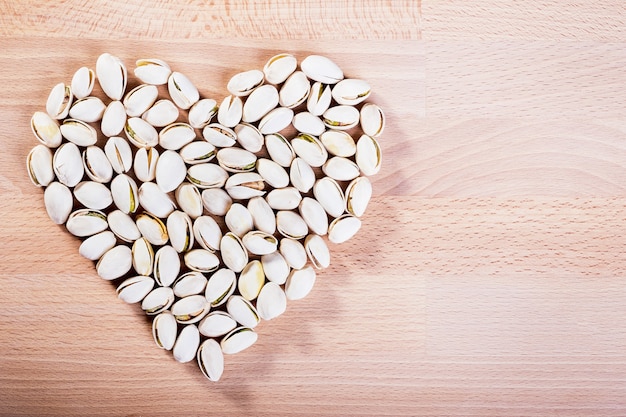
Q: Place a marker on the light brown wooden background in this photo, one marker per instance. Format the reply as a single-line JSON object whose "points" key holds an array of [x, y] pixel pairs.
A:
{"points": [[489, 278]]}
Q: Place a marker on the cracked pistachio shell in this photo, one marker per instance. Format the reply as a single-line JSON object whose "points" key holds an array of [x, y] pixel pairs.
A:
{"points": [[115, 262], [238, 219], [293, 252], [230, 111], [59, 101], [286, 198], [262, 215], [291, 225], [58, 201], [39, 166], [341, 117], [343, 228], [166, 266], [189, 200], [368, 155], [176, 135], [164, 329], [152, 71], [219, 135], [190, 309], [251, 280], [154, 200], [319, 99], [236, 159], [207, 233], [211, 360], [245, 185], [201, 113], [216, 201], [162, 113], [201, 260], [279, 149], [140, 99], [182, 91], [358, 194], [271, 301], [112, 75], [97, 165], [295, 90], [216, 324], [300, 283], [249, 137], [341, 169], [310, 149], [179, 229], [143, 256], [322, 69], [279, 67], [123, 226], [113, 119], [273, 174], [207, 175], [276, 120], [197, 152], [170, 171], [133, 290], [317, 251], [301, 175], [259, 243], [243, 83], [242, 311], [351, 91], [140, 133], [220, 287], [372, 120], [237, 340], [191, 283], [152, 228], [186, 344], [314, 215], [259, 103], [93, 195], [119, 154], [87, 109], [234, 254], [275, 267], [78, 132], [329, 194], [158, 300], [145, 164], [82, 82], [124, 192], [95, 246], [68, 165], [305, 122], [338, 143], [46, 129]]}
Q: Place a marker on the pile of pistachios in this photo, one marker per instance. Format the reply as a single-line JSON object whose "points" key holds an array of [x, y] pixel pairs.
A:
{"points": [[211, 216]]}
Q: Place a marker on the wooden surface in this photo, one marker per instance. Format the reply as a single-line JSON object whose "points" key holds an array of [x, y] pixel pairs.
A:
{"points": [[488, 278]]}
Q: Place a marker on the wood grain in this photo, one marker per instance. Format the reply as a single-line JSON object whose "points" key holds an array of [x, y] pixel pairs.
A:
{"points": [[488, 276]]}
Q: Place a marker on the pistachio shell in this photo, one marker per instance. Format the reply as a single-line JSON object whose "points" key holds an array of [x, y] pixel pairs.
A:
{"points": [[314, 215], [78, 132], [207, 233], [170, 171], [113, 119], [124, 192], [279, 149], [158, 300], [242, 311], [230, 111], [190, 309], [140, 99], [88, 109], [329, 194], [271, 301], [358, 194], [162, 113], [310, 149], [295, 90], [305, 122], [211, 360], [236, 159], [286, 198], [218, 135], [317, 251], [68, 165], [152, 71], [259, 243], [179, 229], [341, 169], [46, 129], [143, 256], [182, 91], [351, 91], [123, 226], [238, 219], [220, 287], [134, 289], [273, 174], [145, 164], [237, 340], [201, 260], [300, 283], [276, 120], [338, 143], [140, 133], [372, 120], [154, 200], [343, 228], [39, 166], [291, 225], [216, 201], [82, 82], [164, 329], [207, 175], [216, 324], [59, 101], [243, 83], [115, 262], [322, 69], [293, 252], [112, 75], [368, 155], [341, 117], [201, 113], [93, 195], [166, 265], [259, 103], [186, 344], [189, 199], [249, 137], [97, 165], [251, 280], [95, 246], [191, 283], [119, 154], [319, 99], [234, 254], [302, 175], [275, 267], [262, 215], [176, 135], [152, 228], [279, 67], [197, 152], [58, 201], [245, 185]]}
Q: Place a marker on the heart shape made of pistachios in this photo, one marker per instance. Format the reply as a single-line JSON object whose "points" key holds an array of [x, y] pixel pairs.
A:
{"points": [[212, 226]]}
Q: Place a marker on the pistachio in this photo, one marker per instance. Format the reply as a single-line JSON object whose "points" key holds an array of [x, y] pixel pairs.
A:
{"points": [[201, 260], [170, 171], [162, 113], [176, 135], [191, 283], [302, 175], [317, 251], [322, 69], [259, 103], [218, 135], [237, 340], [78, 132], [234, 254], [329, 194], [207, 233], [166, 265], [368, 155], [112, 75], [207, 175], [124, 192], [310, 149], [276, 120], [197, 152], [291, 225], [39, 166], [93, 195], [96, 164], [358, 194], [145, 164], [211, 359], [82, 82], [216, 324], [96, 245], [243, 83], [68, 165], [242, 311], [273, 174], [230, 111], [343, 228], [286, 198], [182, 91], [319, 99], [143, 256], [341, 117], [59, 101], [271, 301], [293, 252], [300, 283], [305, 122], [245, 185], [279, 67], [58, 201], [341, 169], [190, 309], [259, 243], [275, 267], [314, 215], [164, 329], [262, 215], [220, 287], [179, 229], [154, 200], [123, 226], [351, 91], [189, 199], [88, 109], [186, 344], [113, 119], [134, 289], [118, 152], [251, 280], [295, 90], [140, 133], [152, 228], [372, 120], [338, 143], [152, 71], [158, 300], [216, 201], [236, 159], [138, 100], [279, 149], [249, 137], [201, 113], [115, 262], [238, 219], [46, 129]]}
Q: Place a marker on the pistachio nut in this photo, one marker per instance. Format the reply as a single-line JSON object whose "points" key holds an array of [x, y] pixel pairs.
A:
{"points": [[262, 215], [124, 192], [46, 129], [293, 252], [251, 280], [295, 90], [189, 199], [201, 260], [179, 229], [279, 67], [238, 219], [182, 91], [152, 228], [207, 233], [286, 198], [291, 225], [237, 340], [314, 215], [273, 174], [39, 166], [82, 82], [322, 69], [197, 152], [343, 228], [243, 83], [230, 111], [216, 324], [154, 200], [319, 99], [211, 360], [145, 164], [220, 287], [152, 71], [279, 149], [87, 109], [166, 265], [358, 194], [305, 122], [245, 185], [123, 226], [190, 309], [58, 201], [340, 169], [162, 113], [300, 283], [115, 262], [259, 103], [259, 243], [118, 152], [242, 311], [310, 149], [351, 91], [186, 344], [164, 329], [158, 300], [372, 120], [236, 159], [140, 133], [338, 143], [216, 201], [59, 101], [249, 137], [219, 135], [234, 254], [134, 289], [96, 245], [275, 267], [143, 256], [341, 117], [93, 195], [191, 283], [112, 75], [201, 113], [207, 175], [138, 100], [317, 251], [68, 165], [329, 194], [368, 155], [97, 165], [78, 132], [113, 119], [301, 175], [276, 120], [176, 135], [271, 301], [170, 171]]}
